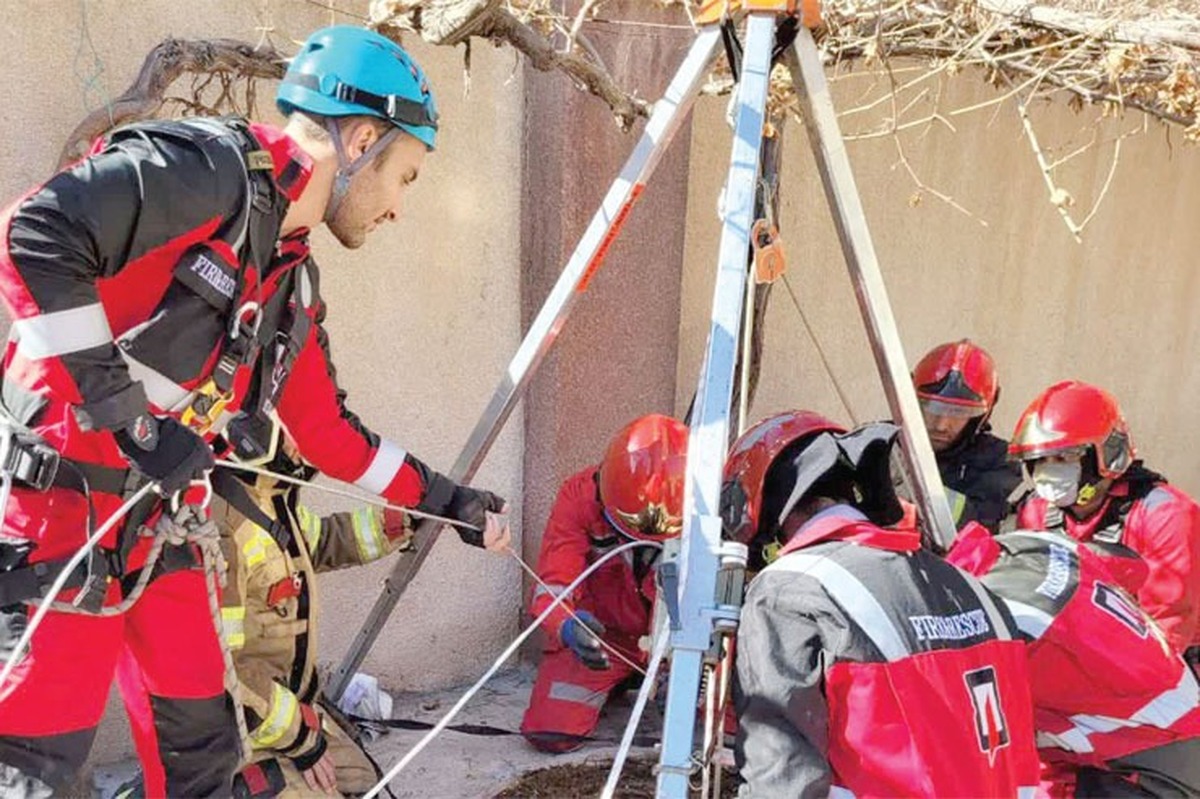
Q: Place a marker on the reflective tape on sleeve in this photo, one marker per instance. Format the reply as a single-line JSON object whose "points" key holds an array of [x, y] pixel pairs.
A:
{"points": [[62, 332], [284, 708], [386, 464]]}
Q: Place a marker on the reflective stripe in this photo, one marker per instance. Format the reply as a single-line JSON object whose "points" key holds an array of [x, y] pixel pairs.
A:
{"points": [[62, 332], [1030, 620], [1170, 706], [1027, 792], [853, 597], [310, 526], [233, 626], [367, 533], [999, 626], [958, 504], [283, 712], [161, 390], [1073, 740], [255, 549], [549, 589], [838, 792], [384, 467], [579, 694]]}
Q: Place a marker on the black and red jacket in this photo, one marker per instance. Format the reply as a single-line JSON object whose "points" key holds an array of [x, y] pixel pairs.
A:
{"points": [[869, 667], [1106, 684], [125, 275]]}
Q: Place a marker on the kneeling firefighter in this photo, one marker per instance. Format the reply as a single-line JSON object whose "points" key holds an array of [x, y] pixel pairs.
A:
{"points": [[635, 493]]}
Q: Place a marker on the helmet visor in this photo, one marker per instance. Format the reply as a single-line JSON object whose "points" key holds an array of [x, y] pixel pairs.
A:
{"points": [[943, 407]]}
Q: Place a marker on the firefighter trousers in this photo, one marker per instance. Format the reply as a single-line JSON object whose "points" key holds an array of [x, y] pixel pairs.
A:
{"points": [[167, 658], [567, 697]]}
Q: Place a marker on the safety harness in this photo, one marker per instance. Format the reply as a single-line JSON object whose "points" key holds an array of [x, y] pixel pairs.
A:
{"points": [[257, 336]]}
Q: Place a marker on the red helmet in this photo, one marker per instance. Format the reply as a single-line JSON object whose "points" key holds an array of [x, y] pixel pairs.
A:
{"points": [[957, 379], [750, 458], [642, 478], [1069, 418]]}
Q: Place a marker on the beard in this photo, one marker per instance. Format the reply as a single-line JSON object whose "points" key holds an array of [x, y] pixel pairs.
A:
{"points": [[350, 233]]}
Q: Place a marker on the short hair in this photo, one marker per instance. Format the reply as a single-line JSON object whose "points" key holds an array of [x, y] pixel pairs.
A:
{"points": [[316, 127]]}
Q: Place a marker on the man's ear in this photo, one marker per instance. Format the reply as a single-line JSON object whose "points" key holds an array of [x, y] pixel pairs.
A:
{"points": [[358, 138]]}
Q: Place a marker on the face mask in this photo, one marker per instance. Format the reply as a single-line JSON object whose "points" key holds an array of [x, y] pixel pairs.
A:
{"points": [[1057, 482]]}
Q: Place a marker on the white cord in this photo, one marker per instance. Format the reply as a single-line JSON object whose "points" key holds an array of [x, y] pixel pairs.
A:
{"points": [[66, 572], [505, 655], [639, 707], [367, 498]]}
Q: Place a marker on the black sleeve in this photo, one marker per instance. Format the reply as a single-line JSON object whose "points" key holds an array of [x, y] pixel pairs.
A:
{"points": [[92, 220], [782, 739]]}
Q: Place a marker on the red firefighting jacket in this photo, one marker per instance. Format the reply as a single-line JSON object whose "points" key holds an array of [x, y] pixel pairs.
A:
{"points": [[1106, 683], [620, 593], [125, 275], [869, 667], [1162, 524]]}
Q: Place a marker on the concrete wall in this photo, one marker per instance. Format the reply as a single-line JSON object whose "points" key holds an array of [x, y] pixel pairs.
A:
{"points": [[422, 319], [1119, 310]]}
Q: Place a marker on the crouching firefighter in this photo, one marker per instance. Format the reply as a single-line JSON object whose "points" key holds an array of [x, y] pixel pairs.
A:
{"points": [[866, 666], [635, 493], [162, 291], [1116, 708]]}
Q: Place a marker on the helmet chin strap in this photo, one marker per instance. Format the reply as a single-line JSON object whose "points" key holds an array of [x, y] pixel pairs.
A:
{"points": [[346, 168]]}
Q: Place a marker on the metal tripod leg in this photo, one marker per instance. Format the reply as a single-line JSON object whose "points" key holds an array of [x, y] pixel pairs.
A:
{"points": [[701, 540], [668, 116], [841, 192]]}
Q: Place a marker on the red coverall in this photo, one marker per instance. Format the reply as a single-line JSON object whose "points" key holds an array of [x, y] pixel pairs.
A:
{"points": [[122, 274], [1163, 527], [567, 696]]}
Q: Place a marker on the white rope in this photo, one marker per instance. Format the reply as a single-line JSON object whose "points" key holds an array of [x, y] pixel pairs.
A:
{"points": [[66, 572], [639, 707], [505, 655], [369, 499], [612, 649]]}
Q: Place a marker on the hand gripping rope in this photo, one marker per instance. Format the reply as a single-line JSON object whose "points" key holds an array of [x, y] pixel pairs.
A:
{"points": [[505, 655]]}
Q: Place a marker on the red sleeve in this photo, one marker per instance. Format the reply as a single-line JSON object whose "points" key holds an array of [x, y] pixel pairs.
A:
{"points": [[331, 438], [1165, 531], [565, 546]]}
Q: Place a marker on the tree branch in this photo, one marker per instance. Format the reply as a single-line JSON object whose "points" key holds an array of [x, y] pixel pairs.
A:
{"points": [[165, 64]]}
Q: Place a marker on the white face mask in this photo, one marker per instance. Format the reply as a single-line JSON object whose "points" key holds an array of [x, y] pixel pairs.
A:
{"points": [[1057, 482]]}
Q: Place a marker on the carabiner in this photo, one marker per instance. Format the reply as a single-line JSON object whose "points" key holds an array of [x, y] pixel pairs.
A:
{"points": [[204, 482]]}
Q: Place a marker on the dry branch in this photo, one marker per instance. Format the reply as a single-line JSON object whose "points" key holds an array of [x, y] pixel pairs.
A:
{"points": [[166, 63]]}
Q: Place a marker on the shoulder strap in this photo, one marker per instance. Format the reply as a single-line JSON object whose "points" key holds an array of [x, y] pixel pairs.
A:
{"points": [[233, 491]]}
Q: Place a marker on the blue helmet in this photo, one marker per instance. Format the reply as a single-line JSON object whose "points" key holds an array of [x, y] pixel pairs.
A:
{"points": [[344, 71]]}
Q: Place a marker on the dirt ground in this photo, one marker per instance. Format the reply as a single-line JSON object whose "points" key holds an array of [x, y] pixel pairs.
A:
{"points": [[586, 780]]}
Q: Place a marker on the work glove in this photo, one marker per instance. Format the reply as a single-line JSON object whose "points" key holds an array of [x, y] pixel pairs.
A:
{"points": [[471, 505], [584, 640], [165, 451], [13, 620]]}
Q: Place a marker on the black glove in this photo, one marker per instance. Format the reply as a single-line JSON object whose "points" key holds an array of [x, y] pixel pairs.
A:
{"points": [[584, 640], [165, 451], [471, 505], [13, 620]]}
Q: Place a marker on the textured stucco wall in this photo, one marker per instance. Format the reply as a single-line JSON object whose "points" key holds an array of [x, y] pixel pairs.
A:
{"points": [[423, 319], [1119, 310]]}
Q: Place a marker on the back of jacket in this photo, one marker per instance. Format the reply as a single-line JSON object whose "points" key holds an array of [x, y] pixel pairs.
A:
{"points": [[1105, 682], [861, 670]]}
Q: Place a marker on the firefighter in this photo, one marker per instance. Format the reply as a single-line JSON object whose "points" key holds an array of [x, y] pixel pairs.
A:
{"points": [[957, 387], [1089, 485], [1116, 709], [162, 291], [635, 493], [866, 666]]}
